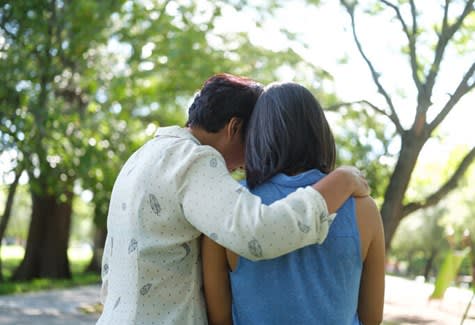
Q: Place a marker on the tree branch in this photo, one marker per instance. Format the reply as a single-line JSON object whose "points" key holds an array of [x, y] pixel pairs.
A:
{"points": [[375, 75], [444, 189], [411, 38], [3, 24], [446, 33], [336, 107], [9, 203], [464, 87]]}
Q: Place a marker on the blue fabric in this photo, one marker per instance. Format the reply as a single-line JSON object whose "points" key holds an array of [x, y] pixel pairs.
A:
{"points": [[317, 284]]}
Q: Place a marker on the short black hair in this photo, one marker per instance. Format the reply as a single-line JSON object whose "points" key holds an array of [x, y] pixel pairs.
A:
{"points": [[288, 133], [222, 97]]}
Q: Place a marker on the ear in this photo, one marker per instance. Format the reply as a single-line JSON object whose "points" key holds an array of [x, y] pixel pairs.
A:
{"points": [[234, 127]]}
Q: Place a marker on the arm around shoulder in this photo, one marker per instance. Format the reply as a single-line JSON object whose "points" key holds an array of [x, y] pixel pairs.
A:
{"points": [[221, 208], [340, 184]]}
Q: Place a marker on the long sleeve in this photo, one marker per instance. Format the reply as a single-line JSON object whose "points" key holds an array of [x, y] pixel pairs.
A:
{"points": [[228, 213], [105, 269]]}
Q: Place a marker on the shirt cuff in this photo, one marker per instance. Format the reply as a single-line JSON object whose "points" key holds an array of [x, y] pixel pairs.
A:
{"points": [[325, 218]]}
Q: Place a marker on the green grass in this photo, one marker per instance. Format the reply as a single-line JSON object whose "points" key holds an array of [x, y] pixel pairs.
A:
{"points": [[12, 256]]}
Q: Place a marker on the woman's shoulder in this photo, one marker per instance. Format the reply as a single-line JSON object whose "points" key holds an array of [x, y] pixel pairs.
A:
{"points": [[367, 212], [369, 221]]}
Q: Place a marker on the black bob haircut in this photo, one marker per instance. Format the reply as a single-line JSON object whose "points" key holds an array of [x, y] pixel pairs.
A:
{"points": [[287, 133], [222, 97]]}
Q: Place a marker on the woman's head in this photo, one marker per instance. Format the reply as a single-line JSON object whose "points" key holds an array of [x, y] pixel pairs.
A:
{"points": [[287, 133]]}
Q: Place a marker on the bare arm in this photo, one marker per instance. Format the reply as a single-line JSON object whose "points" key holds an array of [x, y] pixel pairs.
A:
{"points": [[371, 297], [216, 283]]}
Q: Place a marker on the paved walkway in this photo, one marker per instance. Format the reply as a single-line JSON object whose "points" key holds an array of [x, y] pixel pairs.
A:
{"points": [[406, 303], [53, 307]]}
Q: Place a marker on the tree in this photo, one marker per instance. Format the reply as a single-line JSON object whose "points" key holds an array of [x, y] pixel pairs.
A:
{"points": [[44, 54], [452, 33]]}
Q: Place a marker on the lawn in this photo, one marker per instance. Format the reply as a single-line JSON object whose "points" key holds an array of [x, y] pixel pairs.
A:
{"points": [[79, 258]]}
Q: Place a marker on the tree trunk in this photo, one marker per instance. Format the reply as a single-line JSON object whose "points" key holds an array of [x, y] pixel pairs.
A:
{"points": [[409, 269], [7, 213], [100, 234], [391, 211], [48, 236], [429, 263]]}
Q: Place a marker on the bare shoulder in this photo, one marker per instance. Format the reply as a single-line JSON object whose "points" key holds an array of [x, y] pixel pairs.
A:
{"points": [[369, 223], [366, 203], [367, 211]]}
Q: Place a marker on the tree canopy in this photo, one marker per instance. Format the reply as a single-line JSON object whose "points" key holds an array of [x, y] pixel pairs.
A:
{"points": [[85, 83]]}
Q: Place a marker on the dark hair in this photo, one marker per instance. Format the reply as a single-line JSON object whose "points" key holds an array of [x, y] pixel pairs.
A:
{"points": [[222, 97], [288, 133]]}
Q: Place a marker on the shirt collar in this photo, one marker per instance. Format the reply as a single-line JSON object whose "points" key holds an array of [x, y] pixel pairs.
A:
{"points": [[176, 131], [302, 179]]}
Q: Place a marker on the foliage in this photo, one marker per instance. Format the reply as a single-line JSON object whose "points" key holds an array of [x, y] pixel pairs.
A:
{"points": [[166, 51], [421, 242], [365, 147], [18, 225], [85, 83], [448, 271]]}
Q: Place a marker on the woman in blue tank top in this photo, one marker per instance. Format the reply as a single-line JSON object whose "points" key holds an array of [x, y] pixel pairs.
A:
{"points": [[289, 145]]}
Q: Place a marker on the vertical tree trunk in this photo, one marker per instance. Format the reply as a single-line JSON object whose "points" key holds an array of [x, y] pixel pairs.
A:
{"points": [[100, 234], [6, 214], [48, 236], [391, 211], [429, 263]]}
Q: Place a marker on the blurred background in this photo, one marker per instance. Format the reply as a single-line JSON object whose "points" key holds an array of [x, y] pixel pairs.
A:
{"points": [[84, 83]]}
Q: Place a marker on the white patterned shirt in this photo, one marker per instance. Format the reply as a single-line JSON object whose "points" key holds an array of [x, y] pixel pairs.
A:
{"points": [[167, 194]]}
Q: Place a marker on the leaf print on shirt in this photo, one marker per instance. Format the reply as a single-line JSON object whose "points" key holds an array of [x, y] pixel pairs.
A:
{"points": [[213, 162], [187, 249], [132, 245], [116, 303], [105, 268], [213, 236], [145, 289], [154, 204], [255, 248], [112, 245], [303, 227], [131, 170]]}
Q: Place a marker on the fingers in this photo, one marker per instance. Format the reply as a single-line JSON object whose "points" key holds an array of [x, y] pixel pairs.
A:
{"points": [[359, 183]]}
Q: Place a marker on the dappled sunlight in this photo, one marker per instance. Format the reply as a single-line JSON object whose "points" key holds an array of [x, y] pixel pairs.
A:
{"points": [[84, 84], [407, 302]]}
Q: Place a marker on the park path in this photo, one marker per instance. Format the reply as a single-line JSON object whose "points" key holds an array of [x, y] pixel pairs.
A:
{"points": [[52, 307], [406, 303]]}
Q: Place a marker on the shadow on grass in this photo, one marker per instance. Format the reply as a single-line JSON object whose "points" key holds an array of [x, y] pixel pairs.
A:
{"points": [[10, 287], [79, 278]]}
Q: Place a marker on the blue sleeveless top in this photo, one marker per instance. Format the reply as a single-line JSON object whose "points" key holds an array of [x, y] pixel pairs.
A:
{"points": [[317, 284]]}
